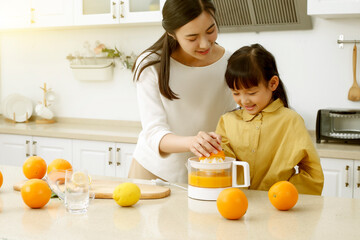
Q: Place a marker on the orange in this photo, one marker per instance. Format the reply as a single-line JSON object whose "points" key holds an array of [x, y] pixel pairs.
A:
{"points": [[35, 193], [58, 175], [1, 179], [220, 154], [59, 164], [232, 203], [283, 195], [34, 167]]}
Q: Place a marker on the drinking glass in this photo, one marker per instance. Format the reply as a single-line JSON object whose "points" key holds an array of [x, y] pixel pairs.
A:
{"points": [[74, 189]]}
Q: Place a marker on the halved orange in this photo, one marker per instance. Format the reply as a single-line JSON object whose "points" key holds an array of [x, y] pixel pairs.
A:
{"points": [[220, 154]]}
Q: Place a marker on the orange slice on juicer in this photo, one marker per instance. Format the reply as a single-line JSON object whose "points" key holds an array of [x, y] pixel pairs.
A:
{"points": [[220, 154]]}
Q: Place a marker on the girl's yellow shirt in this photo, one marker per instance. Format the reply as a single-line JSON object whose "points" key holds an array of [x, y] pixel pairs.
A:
{"points": [[273, 142]]}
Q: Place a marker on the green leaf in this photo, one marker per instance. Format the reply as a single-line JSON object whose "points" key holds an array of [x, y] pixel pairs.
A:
{"points": [[53, 195]]}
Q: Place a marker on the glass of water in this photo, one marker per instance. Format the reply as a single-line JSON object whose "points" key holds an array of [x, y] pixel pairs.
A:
{"points": [[77, 195]]}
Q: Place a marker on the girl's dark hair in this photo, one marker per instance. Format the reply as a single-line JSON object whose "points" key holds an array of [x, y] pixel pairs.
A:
{"points": [[249, 66], [176, 13]]}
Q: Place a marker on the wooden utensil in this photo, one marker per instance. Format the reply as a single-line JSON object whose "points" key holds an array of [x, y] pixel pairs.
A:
{"points": [[354, 92], [104, 188]]}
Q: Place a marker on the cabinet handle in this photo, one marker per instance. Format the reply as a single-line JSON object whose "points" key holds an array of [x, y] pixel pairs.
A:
{"points": [[27, 148], [34, 148], [347, 176], [122, 9], [113, 10], [109, 156], [358, 180], [118, 163], [32, 15]]}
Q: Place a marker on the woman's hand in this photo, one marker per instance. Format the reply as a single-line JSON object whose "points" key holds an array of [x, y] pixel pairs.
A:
{"points": [[205, 143]]}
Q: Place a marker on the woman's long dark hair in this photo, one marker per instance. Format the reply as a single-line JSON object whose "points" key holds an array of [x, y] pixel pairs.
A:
{"points": [[249, 66], [176, 13]]}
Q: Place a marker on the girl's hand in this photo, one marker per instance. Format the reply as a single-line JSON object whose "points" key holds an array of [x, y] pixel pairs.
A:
{"points": [[205, 143]]}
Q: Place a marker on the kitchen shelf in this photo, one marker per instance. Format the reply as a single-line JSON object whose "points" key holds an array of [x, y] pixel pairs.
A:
{"points": [[93, 70]]}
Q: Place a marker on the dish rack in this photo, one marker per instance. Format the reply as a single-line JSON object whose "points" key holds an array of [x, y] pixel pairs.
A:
{"points": [[13, 119], [17, 108]]}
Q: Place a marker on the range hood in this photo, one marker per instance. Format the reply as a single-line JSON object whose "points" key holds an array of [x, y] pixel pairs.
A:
{"points": [[262, 15]]}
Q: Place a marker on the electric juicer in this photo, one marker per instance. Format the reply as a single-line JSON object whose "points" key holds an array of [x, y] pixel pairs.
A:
{"points": [[206, 180]]}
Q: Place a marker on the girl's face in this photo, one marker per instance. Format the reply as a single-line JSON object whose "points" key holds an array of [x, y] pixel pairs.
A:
{"points": [[255, 99], [197, 38]]}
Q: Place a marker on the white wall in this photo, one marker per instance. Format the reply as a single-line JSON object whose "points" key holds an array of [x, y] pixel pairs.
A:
{"points": [[317, 74], [30, 58]]}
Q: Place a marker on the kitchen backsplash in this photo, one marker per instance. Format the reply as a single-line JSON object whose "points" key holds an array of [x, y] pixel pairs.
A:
{"points": [[316, 72]]}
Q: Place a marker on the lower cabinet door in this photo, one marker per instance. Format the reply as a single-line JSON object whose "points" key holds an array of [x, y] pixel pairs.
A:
{"points": [[103, 158], [14, 149], [357, 179], [124, 155], [338, 174], [52, 148], [97, 157]]}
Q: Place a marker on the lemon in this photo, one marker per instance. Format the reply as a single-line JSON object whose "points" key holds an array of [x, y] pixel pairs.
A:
{"points": [[80, 178], [126, 194]]}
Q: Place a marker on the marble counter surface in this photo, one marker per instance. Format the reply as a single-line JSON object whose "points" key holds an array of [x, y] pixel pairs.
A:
{"points": [[176, 217], [83, 129], [338, 150]]}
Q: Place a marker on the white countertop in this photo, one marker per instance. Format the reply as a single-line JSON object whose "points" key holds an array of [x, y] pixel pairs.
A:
{"points": [[84, 129], [176, 217]]}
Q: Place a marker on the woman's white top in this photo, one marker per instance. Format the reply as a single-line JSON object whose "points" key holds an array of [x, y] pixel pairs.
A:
{"points": [[204, 97]]}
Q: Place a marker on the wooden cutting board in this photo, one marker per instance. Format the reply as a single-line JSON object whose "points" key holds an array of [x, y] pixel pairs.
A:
{"points": [[103, 189]]}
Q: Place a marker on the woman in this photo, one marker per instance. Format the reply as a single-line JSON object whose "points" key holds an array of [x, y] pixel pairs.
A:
{"points": [[180, 88]]}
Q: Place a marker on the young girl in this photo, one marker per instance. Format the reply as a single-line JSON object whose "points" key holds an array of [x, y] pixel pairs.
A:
{"points": [[178, 80], [264, 132]]}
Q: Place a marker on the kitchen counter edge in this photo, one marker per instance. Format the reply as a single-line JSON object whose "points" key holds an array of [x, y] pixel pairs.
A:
{"points": [[82, 129]]}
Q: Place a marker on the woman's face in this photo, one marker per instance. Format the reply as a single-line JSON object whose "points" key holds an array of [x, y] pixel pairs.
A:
{"points": [[197, 38]]}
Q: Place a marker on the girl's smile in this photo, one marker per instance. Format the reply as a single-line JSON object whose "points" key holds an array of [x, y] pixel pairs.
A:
{"points": [[250, 108], [255, 99]]}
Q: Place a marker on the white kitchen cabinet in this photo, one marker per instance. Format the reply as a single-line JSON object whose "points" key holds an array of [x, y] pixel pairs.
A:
{"points": [[35, 13], [52, 148], [141, 11], [49, 13], [94, 12], [15, 14], [61, 13], [103, 158], [334, 8], [15, 149], [341, 177]]}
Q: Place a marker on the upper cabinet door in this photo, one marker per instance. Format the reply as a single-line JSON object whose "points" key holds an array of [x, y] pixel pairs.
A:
{"points": [[93, 12], [50, 13], [56, 13], [15, 14], [136, 11], [35, 13], [334, 8]]}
